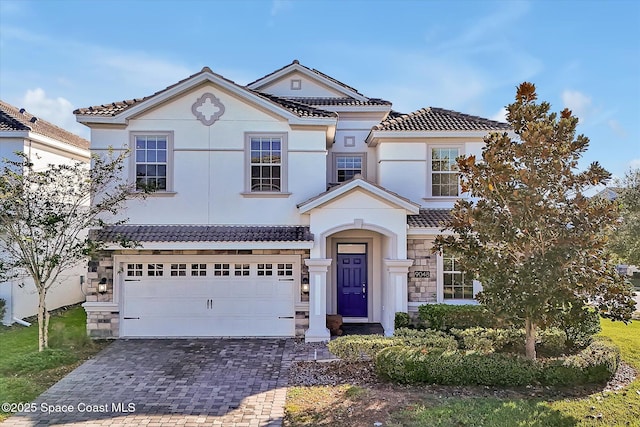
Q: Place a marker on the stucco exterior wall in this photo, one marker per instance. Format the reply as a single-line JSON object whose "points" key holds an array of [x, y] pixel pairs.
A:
{"points": [[210, 166]]}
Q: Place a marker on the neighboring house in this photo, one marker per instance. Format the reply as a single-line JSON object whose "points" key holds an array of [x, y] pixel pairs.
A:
{"points": [[44, 144], [276, 203], [609, 193]]}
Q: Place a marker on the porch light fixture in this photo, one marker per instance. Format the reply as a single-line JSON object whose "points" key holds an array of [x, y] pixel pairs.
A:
{"points": [[305, 285], [102, 285]]}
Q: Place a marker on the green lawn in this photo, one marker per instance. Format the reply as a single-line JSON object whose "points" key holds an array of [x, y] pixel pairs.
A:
{"points": [[25, 373], [621, 408]]}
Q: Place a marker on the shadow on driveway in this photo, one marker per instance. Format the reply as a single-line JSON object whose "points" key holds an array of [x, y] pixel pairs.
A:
{"points": [[187, 381]]}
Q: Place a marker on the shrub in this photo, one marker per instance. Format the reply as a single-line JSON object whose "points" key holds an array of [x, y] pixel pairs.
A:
{"points": [[443, 317], [426, 338], [355, 347], [402, 320], [580, 326], [596, 363], [437, 366], [550, 342]]}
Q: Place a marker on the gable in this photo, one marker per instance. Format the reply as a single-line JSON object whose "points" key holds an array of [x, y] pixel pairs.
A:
{"points": [[211, 104], [121, 112], [295, 84]]}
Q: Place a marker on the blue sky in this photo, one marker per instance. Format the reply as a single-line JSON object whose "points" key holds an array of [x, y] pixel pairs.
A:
{"points": [[467, 56]]}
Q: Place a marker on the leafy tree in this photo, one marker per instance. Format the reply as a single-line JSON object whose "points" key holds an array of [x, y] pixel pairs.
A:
{"points": [[625, 240], [530, 235], [45, 215]]}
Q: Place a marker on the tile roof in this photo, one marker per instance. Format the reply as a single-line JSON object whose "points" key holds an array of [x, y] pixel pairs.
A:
{"points": [[298, 108], [115, 108], [439, 119], [429, 218], [14, 119], [338, 101], [203, 233]]}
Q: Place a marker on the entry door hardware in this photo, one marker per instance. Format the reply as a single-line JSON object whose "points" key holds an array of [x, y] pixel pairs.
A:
{"points": [[364, 290]]}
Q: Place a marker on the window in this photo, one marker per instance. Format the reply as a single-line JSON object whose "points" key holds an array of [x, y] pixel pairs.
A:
{"points": [[241, 269], [199, 270], [457, 284], [444, 172], [220, 269], [134, 270], [347, 167], [155, 270], [285, 269], [178, 270], [266, 170], [265, 269], [151, 161]]}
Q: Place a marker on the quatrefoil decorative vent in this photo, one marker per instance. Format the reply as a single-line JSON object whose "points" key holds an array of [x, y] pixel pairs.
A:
{"points": [[207, 109]]}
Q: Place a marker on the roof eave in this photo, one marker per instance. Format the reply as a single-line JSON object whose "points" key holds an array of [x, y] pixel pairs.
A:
{"points": [[237, 245], [376, 136]]}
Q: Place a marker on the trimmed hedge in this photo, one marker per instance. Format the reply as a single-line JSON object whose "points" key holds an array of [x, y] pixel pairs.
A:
{"points": [[355, 347], [408, 365], [402, 320], [549, 342], [443, 317]]}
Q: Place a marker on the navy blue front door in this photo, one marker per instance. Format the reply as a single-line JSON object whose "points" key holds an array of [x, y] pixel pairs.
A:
{"points": [[352, 285]]}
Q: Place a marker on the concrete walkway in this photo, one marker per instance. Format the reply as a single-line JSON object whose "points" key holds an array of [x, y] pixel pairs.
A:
{"points": [[212, 382]]}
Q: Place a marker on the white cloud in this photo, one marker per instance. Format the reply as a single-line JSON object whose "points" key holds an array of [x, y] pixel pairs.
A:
{"points": [[278, 6], [579, 103], [500, 116], [58, 111], [617, 128]]}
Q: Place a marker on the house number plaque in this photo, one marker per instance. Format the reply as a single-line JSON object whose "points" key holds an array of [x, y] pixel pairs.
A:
{"points": [[421, 274]]}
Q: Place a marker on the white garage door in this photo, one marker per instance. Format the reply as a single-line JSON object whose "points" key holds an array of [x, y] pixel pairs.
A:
{"points": [[209, 297]]}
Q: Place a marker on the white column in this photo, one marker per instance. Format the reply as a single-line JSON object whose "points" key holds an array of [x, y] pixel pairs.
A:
{"points": [[396, 292], [317, 300]]}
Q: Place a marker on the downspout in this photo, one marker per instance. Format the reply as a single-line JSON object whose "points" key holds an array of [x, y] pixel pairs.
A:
{"points": [[21, 322]]}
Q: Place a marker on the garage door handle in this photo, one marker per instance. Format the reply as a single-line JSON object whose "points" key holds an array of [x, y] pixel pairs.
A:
{"points": [[285, 280], [131, 280], [130, 318], [285, 317]]}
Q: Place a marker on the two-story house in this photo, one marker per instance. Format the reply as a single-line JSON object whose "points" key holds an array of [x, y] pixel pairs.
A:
{"points": [[44, 144], [276, 203]]}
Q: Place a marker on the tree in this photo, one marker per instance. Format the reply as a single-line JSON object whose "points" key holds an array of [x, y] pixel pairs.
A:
{"points": [[528, 233], [45, 215], [625, 238]]}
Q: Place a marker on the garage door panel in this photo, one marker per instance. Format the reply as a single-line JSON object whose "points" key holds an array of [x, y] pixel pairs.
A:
{"points": [[208, 306]]}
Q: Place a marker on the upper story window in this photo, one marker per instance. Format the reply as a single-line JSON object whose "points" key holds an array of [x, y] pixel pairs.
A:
{"points": [[444, 172], [152, 160], [266, 169], [457, 284], [347, 166]]}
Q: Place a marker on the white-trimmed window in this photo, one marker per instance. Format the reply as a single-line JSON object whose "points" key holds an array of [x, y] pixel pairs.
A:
{"points": [[266, 163], [444, 172], [456, 284], [199, 270], [151, 160], [242, 269], [348, 165]]}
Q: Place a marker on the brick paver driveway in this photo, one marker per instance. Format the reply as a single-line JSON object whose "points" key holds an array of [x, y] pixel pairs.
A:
{"points": [[220, 382]]}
